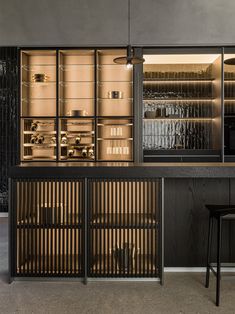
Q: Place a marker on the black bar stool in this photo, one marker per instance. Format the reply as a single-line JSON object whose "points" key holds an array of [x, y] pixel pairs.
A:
{"points": [[218, 213]]}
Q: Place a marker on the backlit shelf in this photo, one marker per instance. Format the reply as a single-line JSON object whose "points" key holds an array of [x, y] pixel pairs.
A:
{"points": [[41, 132], [182, 119], [116, 81], [75, 98], [78, 145], [116, 98], [31, 157], [37, 84], [36, 98], [64, 83], [30, 67], [115, 138], [178, 99], [171, 80], [64, 67], [116, 124], [43, 145]]}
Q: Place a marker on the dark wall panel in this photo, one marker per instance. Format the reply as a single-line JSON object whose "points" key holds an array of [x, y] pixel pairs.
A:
{"points": [[8, 118], [183, 22], [61, 23], [186, 219], [104, 22]]}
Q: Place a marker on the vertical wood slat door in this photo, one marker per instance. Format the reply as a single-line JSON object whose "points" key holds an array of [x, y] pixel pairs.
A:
{"points": [[49, 228], [123, 226]]}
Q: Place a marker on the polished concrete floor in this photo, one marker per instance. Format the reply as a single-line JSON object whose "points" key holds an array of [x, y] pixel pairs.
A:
{"points": [[182, 293]]}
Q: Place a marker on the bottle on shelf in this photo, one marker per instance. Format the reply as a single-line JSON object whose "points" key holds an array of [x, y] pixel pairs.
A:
{"points": [[34, 126], [70, 152], [90, 152], [33, 139], [64, 139], [40, 139], [84, 152], [78, 140], [53, 140]]}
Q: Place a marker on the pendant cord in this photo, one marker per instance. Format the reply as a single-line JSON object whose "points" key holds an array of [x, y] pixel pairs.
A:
{"points": [[129, 22]]}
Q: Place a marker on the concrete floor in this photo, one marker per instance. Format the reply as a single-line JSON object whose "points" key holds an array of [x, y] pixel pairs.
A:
{"points": [[182, 293]]}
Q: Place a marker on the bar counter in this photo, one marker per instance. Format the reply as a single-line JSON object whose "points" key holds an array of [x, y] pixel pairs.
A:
{"points": [[124, 169], [78, 219]]}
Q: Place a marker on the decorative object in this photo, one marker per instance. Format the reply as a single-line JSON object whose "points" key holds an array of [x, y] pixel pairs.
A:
{"points": [[77, 113], [40, 78], [150, 114], [115, 94], [125, 256]]}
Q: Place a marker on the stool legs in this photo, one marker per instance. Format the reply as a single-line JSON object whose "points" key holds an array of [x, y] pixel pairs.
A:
{"points": [[209, 243], [218, 275]]}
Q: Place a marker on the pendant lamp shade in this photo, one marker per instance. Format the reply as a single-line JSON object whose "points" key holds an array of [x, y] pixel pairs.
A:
{"points": [[230, 61], [129, 58]]}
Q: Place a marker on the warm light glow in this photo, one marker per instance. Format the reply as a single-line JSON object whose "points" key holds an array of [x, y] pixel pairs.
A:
{"points": [[180, 119], [129, 65], [178, 99], [180, 59]]}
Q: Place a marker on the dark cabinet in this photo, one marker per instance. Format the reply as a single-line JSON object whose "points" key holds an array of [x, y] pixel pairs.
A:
{"points": [[86, 228]]}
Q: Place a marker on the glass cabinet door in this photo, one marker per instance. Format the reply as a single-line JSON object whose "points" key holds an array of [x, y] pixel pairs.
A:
{"points": [[114, 107], [182, 105], [77, 104], [229, 104], [38, 105]]}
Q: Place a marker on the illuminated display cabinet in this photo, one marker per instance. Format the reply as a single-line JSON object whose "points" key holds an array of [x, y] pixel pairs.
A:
{"points": [[76, 105], [182, 106]]}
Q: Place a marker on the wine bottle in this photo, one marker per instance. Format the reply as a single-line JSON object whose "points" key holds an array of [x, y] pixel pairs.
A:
{"points": [[91, 152], [70, 152], [78, 140], [33, 139], [53, 140], [64, 139], [40, 139], [84, 152], [34, 126]]}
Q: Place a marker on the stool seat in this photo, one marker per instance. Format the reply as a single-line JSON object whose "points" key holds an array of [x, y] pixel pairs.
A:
{"points": [[220, 210], [217, 213]]}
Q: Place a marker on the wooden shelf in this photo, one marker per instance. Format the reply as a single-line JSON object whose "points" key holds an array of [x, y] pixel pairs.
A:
{"points": [[41, 132], [44, 145]]}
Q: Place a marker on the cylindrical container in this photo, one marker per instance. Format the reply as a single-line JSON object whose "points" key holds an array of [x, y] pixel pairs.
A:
{"points": [[150, 114], [115, 94], [39, 78]]}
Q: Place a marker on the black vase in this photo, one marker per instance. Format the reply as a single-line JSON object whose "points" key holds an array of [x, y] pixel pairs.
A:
{"points": [[124, 256]]}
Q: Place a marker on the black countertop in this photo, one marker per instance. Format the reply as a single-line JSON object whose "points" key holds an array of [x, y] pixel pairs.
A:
{"points": [[123, 169]]}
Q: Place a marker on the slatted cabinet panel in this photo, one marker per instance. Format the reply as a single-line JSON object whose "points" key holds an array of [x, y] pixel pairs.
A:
{"points": [[49, 228], [124, 228]]}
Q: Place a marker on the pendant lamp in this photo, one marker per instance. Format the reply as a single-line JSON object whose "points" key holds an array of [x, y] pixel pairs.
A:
{"points": [[129, 60]]}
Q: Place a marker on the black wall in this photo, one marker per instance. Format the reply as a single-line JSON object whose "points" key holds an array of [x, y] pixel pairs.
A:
{"points": [[8, 118], [186, 220]]}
